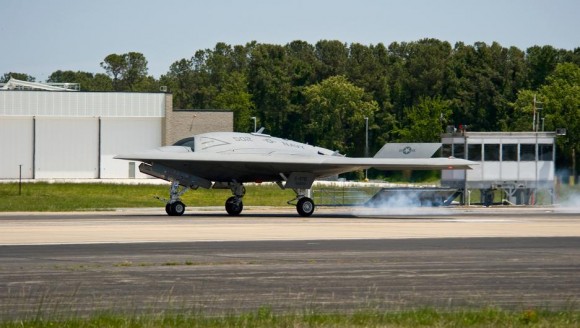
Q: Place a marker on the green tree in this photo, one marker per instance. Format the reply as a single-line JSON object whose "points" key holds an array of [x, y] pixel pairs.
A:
{"points": [[523, 111], [560, 98], [541, 62], [234, 96], [335, 115], [483, 80], [114, 66], [369, 68], [332, 58], [180, 82], [270, 86], [562, 107], [425, 121], [135, 75], [128, 72], [87, 81], [301, 70]]}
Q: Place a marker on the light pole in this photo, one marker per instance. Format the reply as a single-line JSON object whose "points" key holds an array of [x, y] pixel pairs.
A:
{"points": [[254, 118], [366, 137], [366, 144]]}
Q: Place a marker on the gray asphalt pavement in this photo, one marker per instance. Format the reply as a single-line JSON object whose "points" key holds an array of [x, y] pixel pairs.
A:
{"points": [[346, 273]]}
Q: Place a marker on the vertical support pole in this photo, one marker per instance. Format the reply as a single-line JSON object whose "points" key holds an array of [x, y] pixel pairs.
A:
{"points": [[99, 149], [573, 176], [466, 198], [366, 144], [366, 137], [534, 118], [34, 147], [19, 179]]}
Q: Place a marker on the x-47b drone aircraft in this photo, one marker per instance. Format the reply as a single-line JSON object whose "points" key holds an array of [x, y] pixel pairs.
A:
{"points": [[227, 160]]}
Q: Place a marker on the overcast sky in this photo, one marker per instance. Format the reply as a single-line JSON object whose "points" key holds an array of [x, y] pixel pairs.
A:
{"points": [[39, 37]]}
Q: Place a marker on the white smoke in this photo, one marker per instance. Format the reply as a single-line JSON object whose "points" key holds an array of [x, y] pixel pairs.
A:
{"points": [[404, 203], [569, 201]]}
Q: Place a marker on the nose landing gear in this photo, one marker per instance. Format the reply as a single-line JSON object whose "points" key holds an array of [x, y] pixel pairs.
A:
{"points": [[174, 206]]}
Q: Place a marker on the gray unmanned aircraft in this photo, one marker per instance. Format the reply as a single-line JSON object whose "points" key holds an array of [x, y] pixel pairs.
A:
{"points": [[227, 160]]}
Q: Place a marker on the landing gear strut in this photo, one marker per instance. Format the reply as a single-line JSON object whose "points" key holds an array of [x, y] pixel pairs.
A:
{"points": [[305, 205], [174, 206], [234, 204]]}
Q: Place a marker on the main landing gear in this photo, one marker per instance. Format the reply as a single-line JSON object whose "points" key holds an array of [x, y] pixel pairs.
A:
{"points": [[234, 205], [305, 205]]}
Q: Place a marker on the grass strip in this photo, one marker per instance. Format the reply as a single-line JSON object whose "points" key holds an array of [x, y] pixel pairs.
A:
{"points": [[264, 317], [56, 197]]}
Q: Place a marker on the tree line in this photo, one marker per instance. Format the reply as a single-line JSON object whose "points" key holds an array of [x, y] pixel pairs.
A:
{"points": [[321, 93]]}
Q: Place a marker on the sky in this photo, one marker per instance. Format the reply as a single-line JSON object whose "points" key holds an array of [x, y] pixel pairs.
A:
{"points": [[39, 37]]}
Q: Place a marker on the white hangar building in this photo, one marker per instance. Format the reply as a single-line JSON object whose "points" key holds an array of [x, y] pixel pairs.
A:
{"points": [[70, 134]]}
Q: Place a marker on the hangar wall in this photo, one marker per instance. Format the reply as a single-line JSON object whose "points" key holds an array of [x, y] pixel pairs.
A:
{"points": [[16, 138], [123, 135], [66, 147], [55, 134], [76, 134]]}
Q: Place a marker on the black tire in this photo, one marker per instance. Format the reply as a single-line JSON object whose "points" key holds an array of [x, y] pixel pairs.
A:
{"points": [[305, 206], [177, 209], [234, 208], [168, 209]]}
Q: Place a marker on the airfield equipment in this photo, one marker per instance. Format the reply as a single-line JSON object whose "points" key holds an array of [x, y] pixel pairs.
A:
{"points": [[517, 163]]}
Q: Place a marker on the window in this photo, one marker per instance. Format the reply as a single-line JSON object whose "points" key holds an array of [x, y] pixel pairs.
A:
{"points": [[474, 152], [459, 150], [527, 152], [187, 142], [491, 152], [545, 152], [509, 152]]}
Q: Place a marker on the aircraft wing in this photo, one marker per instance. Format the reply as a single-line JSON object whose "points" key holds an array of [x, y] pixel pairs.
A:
{"points": [[269, 167]]}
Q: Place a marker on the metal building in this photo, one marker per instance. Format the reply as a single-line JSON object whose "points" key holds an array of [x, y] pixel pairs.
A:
{"points": [[517, 163], [70, 134]]}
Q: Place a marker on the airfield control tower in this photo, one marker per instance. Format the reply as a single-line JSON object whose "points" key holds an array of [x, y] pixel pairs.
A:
{"points": [[517, 163]]}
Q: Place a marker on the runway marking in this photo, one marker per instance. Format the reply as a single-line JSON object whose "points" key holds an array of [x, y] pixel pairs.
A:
{"points": [[477, 220]]}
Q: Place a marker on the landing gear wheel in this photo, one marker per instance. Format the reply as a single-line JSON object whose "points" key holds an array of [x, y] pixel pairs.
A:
{"points": [[305, 206], [234, 206], [175, 209]]}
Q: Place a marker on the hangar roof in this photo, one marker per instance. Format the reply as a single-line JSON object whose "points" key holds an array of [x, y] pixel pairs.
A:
{"points": [[81, 104]]}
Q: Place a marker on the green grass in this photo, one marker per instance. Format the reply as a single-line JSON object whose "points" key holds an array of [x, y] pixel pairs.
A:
{"points": [[79, 197], [55, 197], [265, 317]]}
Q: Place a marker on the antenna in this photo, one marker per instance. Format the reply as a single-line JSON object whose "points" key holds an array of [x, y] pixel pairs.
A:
{"points": [[537, 111]]}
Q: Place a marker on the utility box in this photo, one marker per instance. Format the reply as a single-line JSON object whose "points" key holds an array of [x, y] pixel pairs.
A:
{"points": [[518, 163]]}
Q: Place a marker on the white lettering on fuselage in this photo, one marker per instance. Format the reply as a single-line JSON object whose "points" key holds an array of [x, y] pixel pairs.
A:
{"points": [[246, 139], [287, 144]]}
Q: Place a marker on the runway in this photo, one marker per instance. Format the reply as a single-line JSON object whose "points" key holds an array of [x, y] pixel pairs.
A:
{"points": [[212, 224], [339, 259]]}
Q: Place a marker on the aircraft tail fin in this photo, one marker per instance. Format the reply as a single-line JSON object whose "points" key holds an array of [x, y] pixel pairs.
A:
{"points": [[408, 150]]}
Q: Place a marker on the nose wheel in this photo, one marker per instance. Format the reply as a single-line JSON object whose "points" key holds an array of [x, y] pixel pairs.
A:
{"points": [[174, 206], [175, 209]]}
